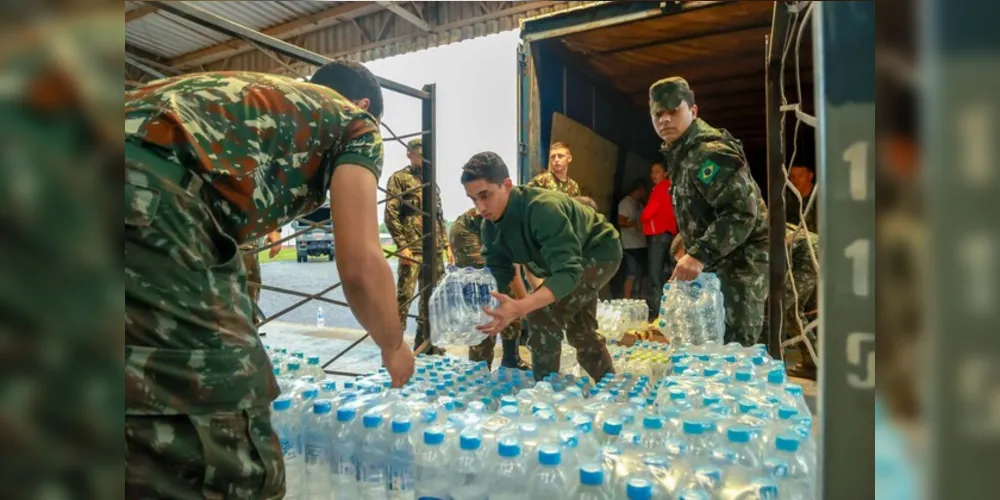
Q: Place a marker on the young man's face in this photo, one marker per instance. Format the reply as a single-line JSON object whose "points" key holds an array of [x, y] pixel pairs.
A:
{"points": [[802, 179], [670, 124], [490, 198], [416, 156], [559, 160]]}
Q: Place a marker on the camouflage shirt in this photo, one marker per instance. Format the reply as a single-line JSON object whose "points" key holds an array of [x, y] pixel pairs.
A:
{"points": [[466, 244], [267, 144], [404, 222], [546, 180], [718, 205], [796, 240]]}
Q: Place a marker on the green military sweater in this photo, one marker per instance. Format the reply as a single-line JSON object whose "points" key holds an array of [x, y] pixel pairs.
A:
{"points": [[550, 234]]}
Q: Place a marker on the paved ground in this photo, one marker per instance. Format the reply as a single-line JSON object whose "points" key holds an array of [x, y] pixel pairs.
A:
{"points": [[311, 277]]}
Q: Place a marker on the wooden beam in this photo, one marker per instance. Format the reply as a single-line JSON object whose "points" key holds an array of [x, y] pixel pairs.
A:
{"points": [[410, 17], [291, 28], [140, 11]]}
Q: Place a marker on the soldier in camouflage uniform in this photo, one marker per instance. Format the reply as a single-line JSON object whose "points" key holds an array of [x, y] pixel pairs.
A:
{"points": [[215, 160], [405, 223], [556, 178], [720, 211], [467, 247], [805, 277], [568, 244]]}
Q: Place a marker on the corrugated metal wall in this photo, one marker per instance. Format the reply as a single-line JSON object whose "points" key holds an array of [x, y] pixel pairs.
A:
{"points": [[347, 40]]}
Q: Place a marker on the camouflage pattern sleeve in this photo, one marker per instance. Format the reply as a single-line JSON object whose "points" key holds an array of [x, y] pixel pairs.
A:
{"points": [[573, 189], [534, 182], [727, 186], [497, 258], [363, 146], [393, 210], [442, 227]]}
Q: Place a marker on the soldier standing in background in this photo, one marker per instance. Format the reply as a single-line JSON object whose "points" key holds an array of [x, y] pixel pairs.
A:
{"points": [[251, 260], [803, 179], [405, 223], [720, 212], [467, 247], [803, 274], [212, 161], [556, 177], [571, 246]]}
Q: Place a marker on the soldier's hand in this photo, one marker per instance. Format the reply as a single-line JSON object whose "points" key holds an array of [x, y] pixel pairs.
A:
{"points": [[399, 363], [687, 269], [505, 314], [273, 237]]}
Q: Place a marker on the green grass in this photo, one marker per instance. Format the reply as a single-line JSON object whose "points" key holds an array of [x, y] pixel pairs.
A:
{"points": [[290, 254]]}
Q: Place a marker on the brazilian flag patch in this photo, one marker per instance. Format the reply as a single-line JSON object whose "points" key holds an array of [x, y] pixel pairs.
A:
{"points": [[708, 172]]}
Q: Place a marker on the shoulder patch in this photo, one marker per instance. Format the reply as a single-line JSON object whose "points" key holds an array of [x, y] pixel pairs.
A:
{"points": [[707, 172]]}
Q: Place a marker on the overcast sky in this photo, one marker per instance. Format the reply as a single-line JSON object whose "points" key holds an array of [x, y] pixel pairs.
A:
{"points": [[476, 108]]}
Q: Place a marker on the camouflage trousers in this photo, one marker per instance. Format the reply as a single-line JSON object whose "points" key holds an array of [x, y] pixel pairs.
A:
{"points": [[198, 382], [743, 276], [574, 316], [805, 284], [484, 351], [251, 261], [406, 286]]}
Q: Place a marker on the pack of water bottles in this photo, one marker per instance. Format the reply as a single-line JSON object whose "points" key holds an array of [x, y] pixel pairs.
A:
{"points": [[456, 306], [693, 311], [615, 317], [707, 421]]}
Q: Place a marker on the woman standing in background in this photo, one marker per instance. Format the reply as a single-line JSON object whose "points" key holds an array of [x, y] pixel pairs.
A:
{"points": [[659, 225]]}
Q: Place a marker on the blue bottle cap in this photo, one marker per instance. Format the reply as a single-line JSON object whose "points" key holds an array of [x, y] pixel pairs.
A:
{"points": [[321, 407], [329, 386], [433, 436], [591, 475], [738, 434], [710, 400], [743, 375], [549, 455], [312, 360], [787, 443], [776, 376], [282, 403], [694, 427], [469, 442], [786, 412], [638, 489], [508, 448], [371, 420], [612, 426], [400, 426], [652, 422]]}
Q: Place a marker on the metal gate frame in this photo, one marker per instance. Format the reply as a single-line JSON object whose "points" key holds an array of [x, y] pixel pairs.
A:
{"points": [[428, 99]]}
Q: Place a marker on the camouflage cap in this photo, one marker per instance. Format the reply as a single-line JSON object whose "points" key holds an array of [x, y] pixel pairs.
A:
{"points": [[414, 144], [670, 92]]}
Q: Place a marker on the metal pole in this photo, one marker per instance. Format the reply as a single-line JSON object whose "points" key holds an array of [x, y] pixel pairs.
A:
{"points": [[959, 129], [844, 65], [188, 11], [431, 252], [775, 178]]}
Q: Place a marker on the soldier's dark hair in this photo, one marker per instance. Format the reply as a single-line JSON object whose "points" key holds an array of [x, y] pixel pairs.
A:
{"points": [[487, 166], [353, 81]]}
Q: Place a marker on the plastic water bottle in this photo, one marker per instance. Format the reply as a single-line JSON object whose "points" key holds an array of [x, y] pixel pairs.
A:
{"points": [[591, 484], [372, 459], [548, 481], [343, 455], [610, 431], [401, 476], [510, 477], [317, 450], [739, 439], [431, 463], [320, 320], [469, 481], [789, 468], [287, 426], [653, 436]]}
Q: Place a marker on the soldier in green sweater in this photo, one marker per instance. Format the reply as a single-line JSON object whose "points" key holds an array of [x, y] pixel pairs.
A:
{"points": [[574, 249]]}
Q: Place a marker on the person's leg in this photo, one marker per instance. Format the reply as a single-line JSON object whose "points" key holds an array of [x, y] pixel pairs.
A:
{"points": [[658, 247], [483, 351], [509, 341], [188, 326], [744, 289], [424, 310], [407, 273], [581, 320], [631, 273], [251, 261], [546, 339]]}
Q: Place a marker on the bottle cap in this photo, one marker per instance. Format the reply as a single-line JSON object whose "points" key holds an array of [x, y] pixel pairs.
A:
{"points": [[371, 421], [282, 403], [400, 426], [591, 475], [549, 455], [321, 407]]}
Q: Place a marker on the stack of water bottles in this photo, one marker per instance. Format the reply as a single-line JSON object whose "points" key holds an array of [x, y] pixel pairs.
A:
{"points": [[456, 306], [615, 317], [712, 422], [693, 311]]}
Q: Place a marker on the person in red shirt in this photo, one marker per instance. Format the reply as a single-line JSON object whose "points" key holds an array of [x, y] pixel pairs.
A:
{"points": [[660, 226]]}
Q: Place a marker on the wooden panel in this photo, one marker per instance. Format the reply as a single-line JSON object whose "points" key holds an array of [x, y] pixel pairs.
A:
{"points": [[594, 159]]}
